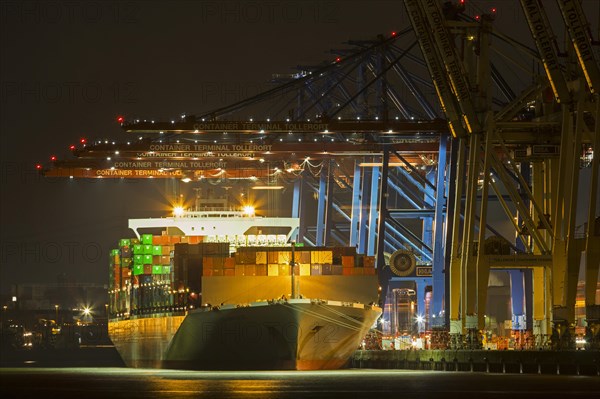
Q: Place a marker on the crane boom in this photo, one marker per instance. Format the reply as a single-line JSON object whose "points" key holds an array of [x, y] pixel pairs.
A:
{"points": [[452, 64], [578, 29], [436, 70], [544, 38]]}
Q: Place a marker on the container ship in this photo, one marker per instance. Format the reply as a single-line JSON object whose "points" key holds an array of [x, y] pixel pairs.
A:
{"points": [[217, 290]]}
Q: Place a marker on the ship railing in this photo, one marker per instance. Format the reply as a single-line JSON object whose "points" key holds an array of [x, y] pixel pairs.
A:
{"points": [[215, 214], [158, 311]]}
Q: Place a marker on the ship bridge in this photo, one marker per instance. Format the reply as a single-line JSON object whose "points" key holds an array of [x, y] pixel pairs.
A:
{"points": [[234, 226]]}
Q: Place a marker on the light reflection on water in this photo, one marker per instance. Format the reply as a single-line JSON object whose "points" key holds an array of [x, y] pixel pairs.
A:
{"points": [[247, 388], [116, 383]]}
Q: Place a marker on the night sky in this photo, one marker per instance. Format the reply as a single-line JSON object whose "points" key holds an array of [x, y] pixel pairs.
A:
{"points": [[68, 69]]}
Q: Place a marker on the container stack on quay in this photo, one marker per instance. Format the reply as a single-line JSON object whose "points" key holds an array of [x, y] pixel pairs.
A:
{"points": [[163, 273]]}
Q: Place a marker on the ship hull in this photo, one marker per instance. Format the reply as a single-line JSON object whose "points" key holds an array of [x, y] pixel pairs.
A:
{"points": [[299, 334]]}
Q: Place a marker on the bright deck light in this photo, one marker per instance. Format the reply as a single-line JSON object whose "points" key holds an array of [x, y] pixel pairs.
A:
{"points": [[178, 211]]}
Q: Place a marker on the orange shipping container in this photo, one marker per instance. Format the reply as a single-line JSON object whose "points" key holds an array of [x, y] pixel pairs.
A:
{"points": [[323, 257], [207, 272], [217, 272], [194, 239], [273, 257], [229, 272], [240, 270], [249, 270], [302, 257], [284, 269], [347, 271], [207, 261], [357, 271], [261, 258], [166, 249], [261, 270], [369, 261], [229, 263], [285, 257]]}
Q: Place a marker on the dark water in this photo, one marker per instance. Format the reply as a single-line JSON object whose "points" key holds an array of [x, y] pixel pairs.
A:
{"points": [[401, 384]]}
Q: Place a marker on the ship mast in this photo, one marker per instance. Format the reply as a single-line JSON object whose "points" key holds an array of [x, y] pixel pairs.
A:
{"points": [[292, 264]]}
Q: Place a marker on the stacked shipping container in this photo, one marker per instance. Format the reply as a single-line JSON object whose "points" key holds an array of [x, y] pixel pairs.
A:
{"points": [[163, 273]]}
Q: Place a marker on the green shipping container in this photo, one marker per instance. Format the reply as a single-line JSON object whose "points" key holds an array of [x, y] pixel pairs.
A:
{"points": [[114, 252], [138, 249], [157, 269], [166, 269], [138, 269], [147, 259], [124, 242], [147, 249], [147, 239], [157, 250], [138, 259]]}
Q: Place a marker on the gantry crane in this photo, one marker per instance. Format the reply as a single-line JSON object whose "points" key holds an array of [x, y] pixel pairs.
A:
{"points": [[466, 99]]}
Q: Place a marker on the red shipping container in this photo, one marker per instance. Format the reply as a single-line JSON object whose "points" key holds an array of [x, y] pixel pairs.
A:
{"points": [[229, 263], [218, 262], [347, 271], [194, 239], [207, 272], [348, 261]]}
